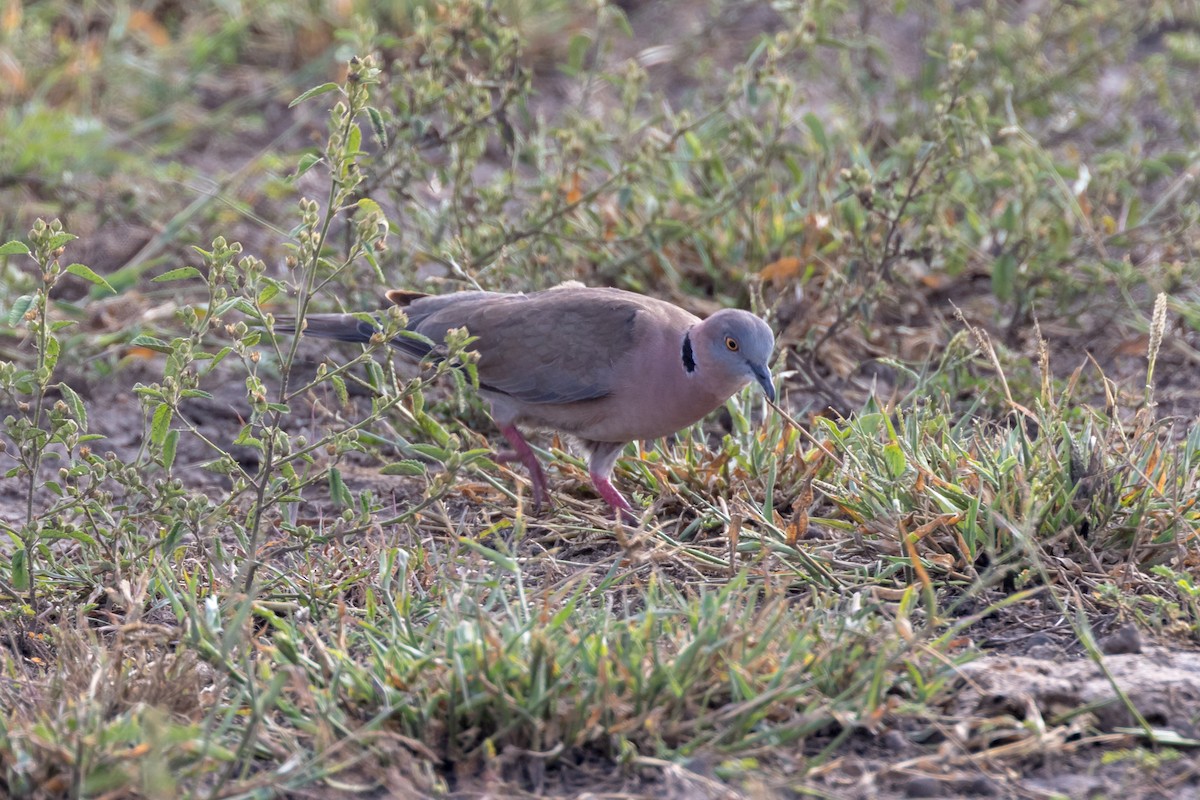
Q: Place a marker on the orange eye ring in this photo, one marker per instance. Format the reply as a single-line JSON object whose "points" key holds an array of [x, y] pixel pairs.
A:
{"points": [[731, 343]]}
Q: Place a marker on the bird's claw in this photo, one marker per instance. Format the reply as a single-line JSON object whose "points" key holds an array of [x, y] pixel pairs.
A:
{"points": [[610, 495]]}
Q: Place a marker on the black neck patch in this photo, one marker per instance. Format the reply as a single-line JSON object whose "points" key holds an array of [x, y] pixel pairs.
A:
{"points": [[689, 360]]}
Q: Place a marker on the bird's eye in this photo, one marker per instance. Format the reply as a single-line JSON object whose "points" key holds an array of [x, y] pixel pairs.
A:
{"points": [[731, 343]]}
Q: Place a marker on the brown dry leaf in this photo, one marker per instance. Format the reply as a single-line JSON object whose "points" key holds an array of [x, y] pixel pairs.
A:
{"points": [[342, 10], [10, 19], [911, 551], [612, 218], [575, 193], [54, 785], [477, 492], [944, 560], [799, 526], [714, 467], [1134, 346], [733, 535], [88, 58], [934, 281], [12, 75], [781, 270], [850, 513], [1085, 205], [887, 594], [137, 751], [940, 521], [142, 22], [312, 40], [141, 352]]}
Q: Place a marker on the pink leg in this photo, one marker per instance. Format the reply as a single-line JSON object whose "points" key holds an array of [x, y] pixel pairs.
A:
{"points": [[610, 495], [524, 453], [600, 466]]}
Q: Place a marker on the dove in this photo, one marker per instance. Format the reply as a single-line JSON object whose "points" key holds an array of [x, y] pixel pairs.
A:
{"points": [[604, 366]]}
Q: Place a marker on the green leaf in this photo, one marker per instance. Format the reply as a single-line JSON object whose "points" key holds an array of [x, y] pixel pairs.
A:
{"points": [[870, 423], [85, 272], [893, 457], [307, 162], [240, 303], [52, 350], [20, 571], [1004, 272], [20, 306], [160, 424], [354, 141], [178, 275], [150, 343], [624, 199], [245, 439], [377, 126], [76, 536], [432, 451], [313, 92], [73, 401], [221, 466], [405, 467], [435, 429], [14, 248], [59, 239], [171, 540], [338, 492], [1008, 220], [215, 359], [817, 130], [617, 15], [506, 563], [577, 51], [268, 292], [170, 444]]}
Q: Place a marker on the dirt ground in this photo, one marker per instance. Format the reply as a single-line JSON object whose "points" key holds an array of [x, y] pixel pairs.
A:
{"points": [[1034, 669]]}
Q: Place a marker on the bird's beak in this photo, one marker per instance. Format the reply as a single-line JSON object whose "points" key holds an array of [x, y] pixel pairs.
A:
{"points": [[763, 376]]}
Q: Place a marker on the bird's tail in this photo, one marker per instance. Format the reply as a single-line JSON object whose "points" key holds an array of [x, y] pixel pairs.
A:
{"points": [[343, 327], [358, 328]]}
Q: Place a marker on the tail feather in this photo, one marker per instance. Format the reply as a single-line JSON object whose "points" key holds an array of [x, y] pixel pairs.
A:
{"points": [[343, 327], [350, 328]]}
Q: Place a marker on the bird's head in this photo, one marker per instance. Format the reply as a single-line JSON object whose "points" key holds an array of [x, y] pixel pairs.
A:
{"points": [[734, 347]]}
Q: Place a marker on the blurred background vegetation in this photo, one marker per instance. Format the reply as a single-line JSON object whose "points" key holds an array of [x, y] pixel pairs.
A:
{"points": [[235, 573]]}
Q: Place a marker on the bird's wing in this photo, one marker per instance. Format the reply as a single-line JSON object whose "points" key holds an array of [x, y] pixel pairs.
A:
{"points": [[557, 346]]}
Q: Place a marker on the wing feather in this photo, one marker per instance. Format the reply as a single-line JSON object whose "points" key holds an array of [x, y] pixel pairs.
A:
{"points": [[556, 346]]}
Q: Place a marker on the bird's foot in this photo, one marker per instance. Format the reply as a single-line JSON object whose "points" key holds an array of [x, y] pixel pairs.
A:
{"points": [[610, 495], [524, 453]]}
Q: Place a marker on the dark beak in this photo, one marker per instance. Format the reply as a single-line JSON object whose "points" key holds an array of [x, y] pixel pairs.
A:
{"points": [[763, 376]]}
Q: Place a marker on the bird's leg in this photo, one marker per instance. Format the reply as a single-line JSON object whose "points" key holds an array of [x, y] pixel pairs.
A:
{"points": [[600, 466], [524, 453], [614, 498]]}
